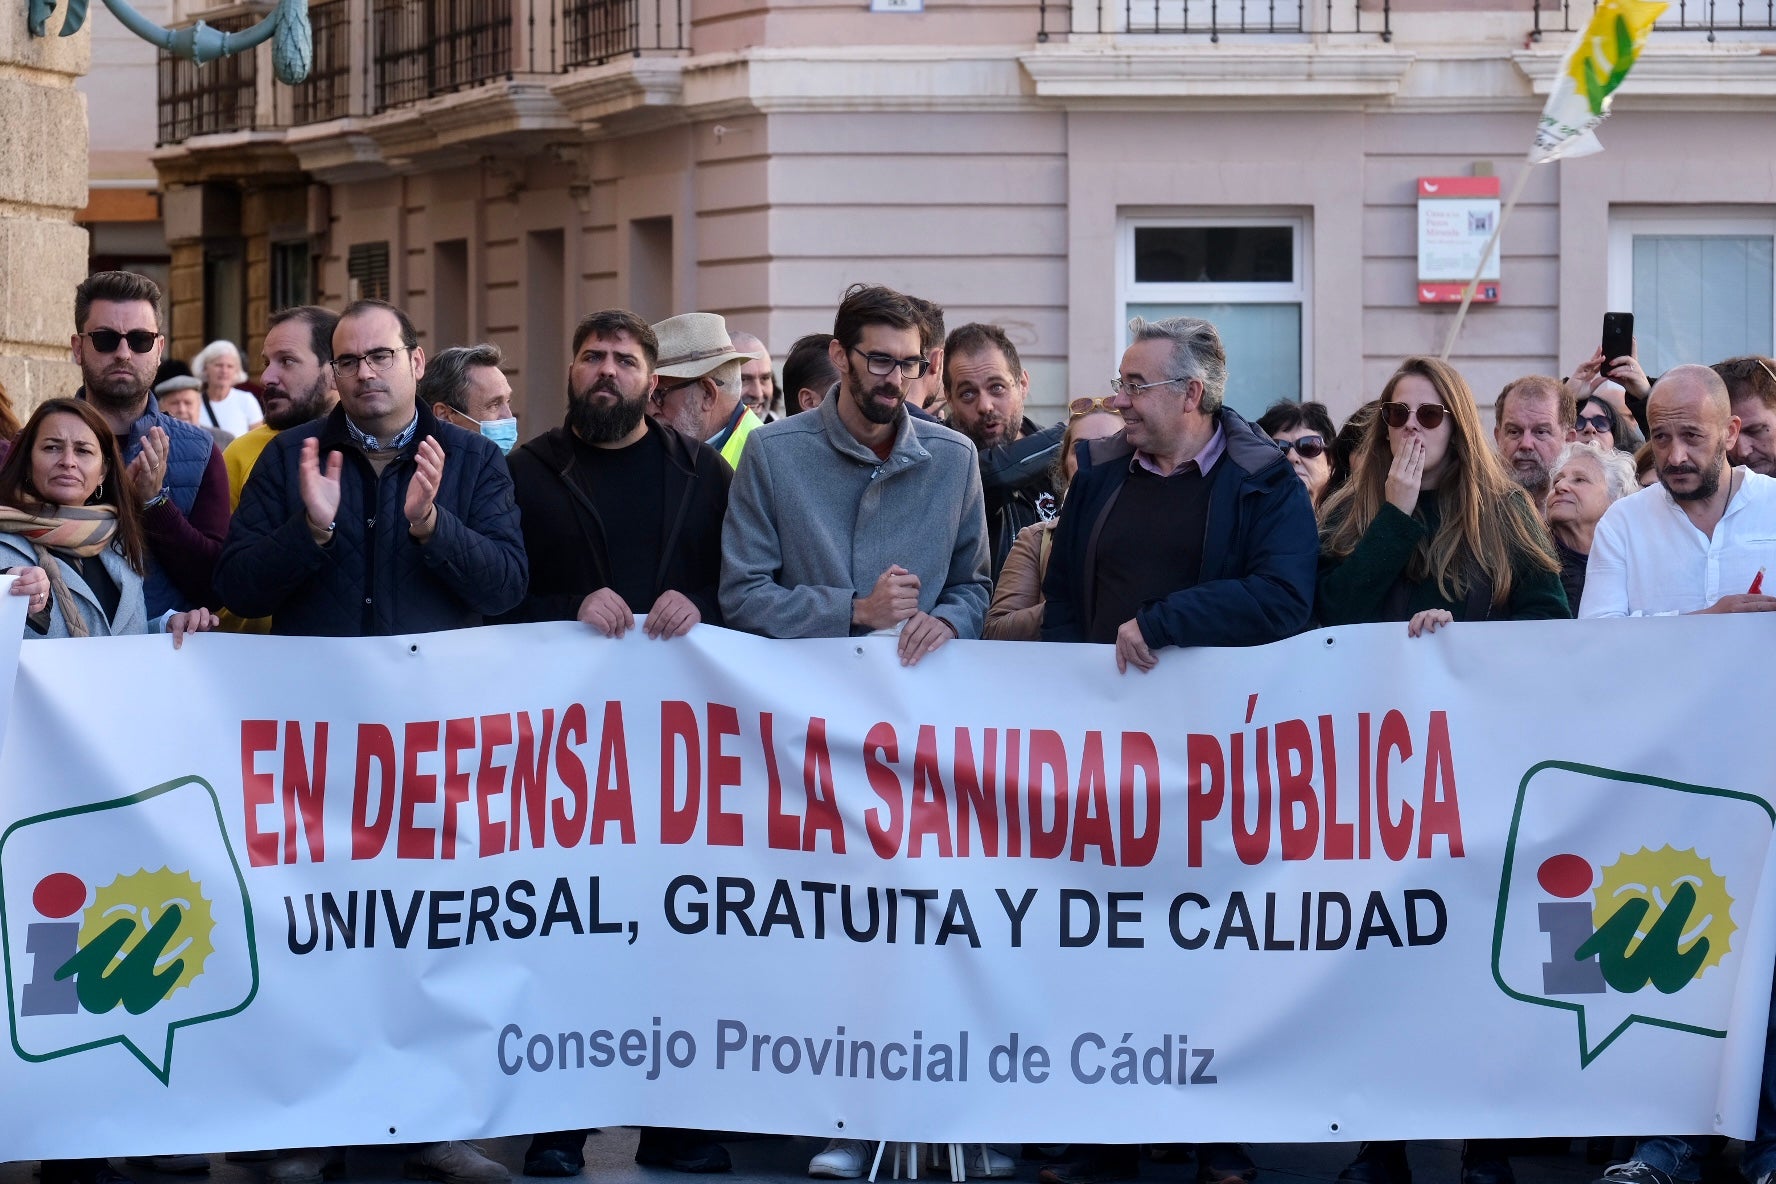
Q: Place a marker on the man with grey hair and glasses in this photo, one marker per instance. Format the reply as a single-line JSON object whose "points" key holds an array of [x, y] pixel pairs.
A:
{"points": [[1186, 528], [465, 386]]}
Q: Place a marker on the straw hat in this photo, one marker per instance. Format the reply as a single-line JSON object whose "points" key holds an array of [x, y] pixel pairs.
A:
{"points": [[694, 343]]}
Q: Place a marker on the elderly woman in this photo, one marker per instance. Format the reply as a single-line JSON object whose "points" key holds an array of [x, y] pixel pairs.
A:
{"points": [[226, 405], [71, 530], [1016, 611], [1587, 477], [1304, 432]]}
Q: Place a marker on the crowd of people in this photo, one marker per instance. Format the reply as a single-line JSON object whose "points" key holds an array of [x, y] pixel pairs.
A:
{"points": [[892, 484]]}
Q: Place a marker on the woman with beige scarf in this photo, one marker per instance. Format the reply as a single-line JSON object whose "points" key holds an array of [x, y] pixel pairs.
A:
{"points": [[71, 531]]}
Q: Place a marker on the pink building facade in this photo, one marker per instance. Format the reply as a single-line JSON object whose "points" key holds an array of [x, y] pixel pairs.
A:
{"points": [[500, 167]]}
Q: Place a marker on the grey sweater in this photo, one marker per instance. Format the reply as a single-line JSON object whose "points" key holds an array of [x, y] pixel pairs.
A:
{"points": [[814, 519]]}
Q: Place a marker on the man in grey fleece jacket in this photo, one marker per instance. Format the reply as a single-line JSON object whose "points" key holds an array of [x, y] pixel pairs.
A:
{"points": [[858, 518]]}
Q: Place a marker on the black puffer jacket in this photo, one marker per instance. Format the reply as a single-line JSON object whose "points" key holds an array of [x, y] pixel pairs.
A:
{"points": [[373, 578]]}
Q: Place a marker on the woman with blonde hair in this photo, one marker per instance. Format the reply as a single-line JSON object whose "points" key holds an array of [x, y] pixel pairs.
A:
{"points": [[1430, 528]]}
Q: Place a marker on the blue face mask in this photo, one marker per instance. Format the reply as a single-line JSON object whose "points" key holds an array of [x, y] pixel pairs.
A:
{"points": [[503, 432]]}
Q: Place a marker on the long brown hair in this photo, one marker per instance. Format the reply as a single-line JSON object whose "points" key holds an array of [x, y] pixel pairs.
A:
{"points": [[15, 475], [9, 424], [1486, 518]]}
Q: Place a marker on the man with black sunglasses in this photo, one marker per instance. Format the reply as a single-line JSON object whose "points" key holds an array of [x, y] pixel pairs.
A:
{"points": [[175, 467]]}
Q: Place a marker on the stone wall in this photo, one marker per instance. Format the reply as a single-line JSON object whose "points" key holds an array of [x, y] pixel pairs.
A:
{"points": [[43, 169]]}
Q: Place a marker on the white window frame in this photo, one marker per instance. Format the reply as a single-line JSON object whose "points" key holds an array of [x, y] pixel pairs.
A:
{"points": [[1297, 292], [1626, 223]]}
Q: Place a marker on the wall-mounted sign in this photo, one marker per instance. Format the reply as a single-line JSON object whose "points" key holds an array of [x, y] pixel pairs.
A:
{"points": [[1456, 218], [897, 5]]}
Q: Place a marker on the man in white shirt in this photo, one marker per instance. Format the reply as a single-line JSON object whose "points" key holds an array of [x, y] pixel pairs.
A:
{"points": [[1700, 539]]}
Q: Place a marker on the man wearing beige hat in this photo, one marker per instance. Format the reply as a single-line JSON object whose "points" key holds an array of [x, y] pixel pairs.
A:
{"points": [[699, 387]]}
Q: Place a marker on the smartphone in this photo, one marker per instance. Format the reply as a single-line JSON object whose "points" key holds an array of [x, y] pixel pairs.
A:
{"points": [[1618, 335]]}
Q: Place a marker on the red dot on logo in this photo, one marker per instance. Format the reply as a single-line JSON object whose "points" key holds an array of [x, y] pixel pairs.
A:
{"points": [[1565, 875], [59, 895]]}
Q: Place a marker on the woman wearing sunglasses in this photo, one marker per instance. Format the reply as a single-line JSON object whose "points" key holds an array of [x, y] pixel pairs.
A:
{"points": [[1016, 611], [1430, 528], [1304, 432]]}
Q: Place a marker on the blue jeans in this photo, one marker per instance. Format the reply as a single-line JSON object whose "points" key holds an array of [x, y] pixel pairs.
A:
{"points": [[1680, 1156]]}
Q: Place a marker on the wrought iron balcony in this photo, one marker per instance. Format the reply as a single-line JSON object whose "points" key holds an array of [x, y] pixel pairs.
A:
{"points": [[328, 92], [1212, 18], [433, 47], [597, 31], [1712, 17], [201, 100]]}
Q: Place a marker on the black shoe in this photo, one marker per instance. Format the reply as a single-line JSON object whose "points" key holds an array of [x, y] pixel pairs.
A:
{"points": [[1107, 1166], [1378, 1163], [682, 1151], [1484, 1162], [1633, 1172], [553, 1161], [1224, 1163]]}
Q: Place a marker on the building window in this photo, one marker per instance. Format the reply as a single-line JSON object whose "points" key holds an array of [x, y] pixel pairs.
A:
{"points": [[1700, 283], [291, 271], [1247, 275], [367, 271]]}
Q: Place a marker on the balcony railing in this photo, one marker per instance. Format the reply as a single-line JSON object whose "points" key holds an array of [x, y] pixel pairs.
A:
{"points": [[327, 94], [417, 49], [433, 47], [1683, 16], [1212, 18], [596, 31], [221, 96]]}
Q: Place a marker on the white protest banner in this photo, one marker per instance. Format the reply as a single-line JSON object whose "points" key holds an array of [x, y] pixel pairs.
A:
{"points": [[268, 892]]}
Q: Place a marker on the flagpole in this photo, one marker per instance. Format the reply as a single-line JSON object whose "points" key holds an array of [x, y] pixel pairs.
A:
{"points": [[1474, 284]]}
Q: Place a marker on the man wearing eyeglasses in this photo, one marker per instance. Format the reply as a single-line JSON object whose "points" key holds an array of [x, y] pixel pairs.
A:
{"points": [[856, 518], [1188, 527], [174, 466], [380, 518], [985, 385]]}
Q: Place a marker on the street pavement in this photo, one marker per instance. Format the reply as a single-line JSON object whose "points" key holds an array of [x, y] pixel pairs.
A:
{"points": [[772, 1160]]}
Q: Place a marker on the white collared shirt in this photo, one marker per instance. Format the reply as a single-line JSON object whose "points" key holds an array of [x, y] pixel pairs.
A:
{"points": [[1649, 559]]}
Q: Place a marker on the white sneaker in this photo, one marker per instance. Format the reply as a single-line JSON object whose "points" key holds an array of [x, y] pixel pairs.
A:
{"points": [[981, 1162], [843, 1159]]}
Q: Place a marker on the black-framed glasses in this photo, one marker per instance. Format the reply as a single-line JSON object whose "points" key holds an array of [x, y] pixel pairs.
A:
{"points": [[1599, 423], [1123, 386], [1430, 415], [106, 341], [378, 360], [1086, 404], [882, 365], [1308, 446]]}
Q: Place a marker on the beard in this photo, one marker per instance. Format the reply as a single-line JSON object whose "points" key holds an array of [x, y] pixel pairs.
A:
{"points": [[117, 387], [603, 423], [298, 409], [1708, 478], [865, 395], [1534, 479]]}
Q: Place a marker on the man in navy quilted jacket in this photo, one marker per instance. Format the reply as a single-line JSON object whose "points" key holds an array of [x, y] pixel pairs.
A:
{"points": [[379, 518]]}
